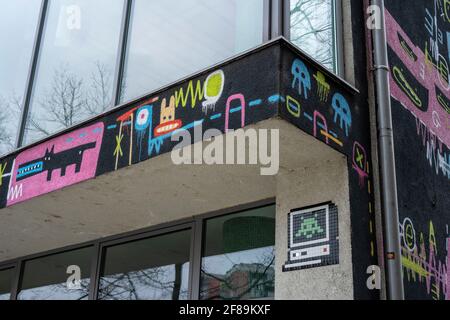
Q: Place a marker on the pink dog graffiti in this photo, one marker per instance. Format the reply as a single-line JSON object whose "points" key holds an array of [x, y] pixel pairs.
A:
{"points": [[55, 164]]}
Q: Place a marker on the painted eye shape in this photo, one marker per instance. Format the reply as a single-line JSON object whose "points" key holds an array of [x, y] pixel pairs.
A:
{"points": [[170, 117], [164, 118]]}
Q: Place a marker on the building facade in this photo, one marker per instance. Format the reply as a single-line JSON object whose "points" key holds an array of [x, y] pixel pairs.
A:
{"points": [[98, 100]]}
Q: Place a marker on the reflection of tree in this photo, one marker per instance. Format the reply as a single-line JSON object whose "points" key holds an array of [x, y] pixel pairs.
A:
{"points": [[161, 282], [67, 100], [241, 281], [57, 292], [99, 94], [6, 136], [311, 28], [10, 113], [63, 104]]}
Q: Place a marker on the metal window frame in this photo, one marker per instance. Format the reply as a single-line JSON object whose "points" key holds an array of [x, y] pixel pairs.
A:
{"points": [[12, 266], [337, 21], [22, 262], [195, 224], [26, 100], [122, 52], [103, 246]]}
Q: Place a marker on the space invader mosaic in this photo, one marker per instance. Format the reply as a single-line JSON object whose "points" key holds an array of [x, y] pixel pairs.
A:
{"points": [[313, 237]]}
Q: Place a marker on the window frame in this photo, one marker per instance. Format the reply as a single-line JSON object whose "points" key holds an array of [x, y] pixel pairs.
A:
{"points": [[196, 224], [337, 22], [143, 236], [22, 262], [14, 268]]}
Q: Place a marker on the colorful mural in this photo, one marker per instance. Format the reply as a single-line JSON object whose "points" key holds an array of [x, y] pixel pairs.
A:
{"points": [[316, 103], [143, 129], [228, 98], [419, 56], [55, 164]]}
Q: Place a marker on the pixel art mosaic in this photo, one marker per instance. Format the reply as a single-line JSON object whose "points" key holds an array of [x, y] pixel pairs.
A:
{"points": [[313, 237]]}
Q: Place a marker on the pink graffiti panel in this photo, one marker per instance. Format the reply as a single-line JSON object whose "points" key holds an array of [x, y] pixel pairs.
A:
{"points": [[55, 164], [431, 112]]}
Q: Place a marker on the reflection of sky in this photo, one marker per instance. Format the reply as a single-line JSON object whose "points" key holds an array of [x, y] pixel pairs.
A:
{"points": [[221, 264], [78, 35], [253, 261], [157, 286], [4, 297], [55, 292], [171, 39], [18, 21], [314, 15]]}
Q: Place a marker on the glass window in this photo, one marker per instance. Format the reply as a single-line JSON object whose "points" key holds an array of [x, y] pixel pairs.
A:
{"points": [[64, 276], [313, 29], [76, 64], [156, 268], [18, 23], [171, 39], [6, 277], [238, 260]]}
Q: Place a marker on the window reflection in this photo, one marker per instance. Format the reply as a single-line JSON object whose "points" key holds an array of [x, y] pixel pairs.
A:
{"points": [[62, 276], [171, 39], [151, 269], [75, 73], [16, 38], [239, 256], [5, 283], [312, 29]]}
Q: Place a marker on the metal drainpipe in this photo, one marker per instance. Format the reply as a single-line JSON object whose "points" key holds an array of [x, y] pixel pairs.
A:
{"points": [[392, 251]]}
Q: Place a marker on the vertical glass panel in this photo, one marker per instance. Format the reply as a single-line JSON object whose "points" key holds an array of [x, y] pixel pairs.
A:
{"points": [[75, 73], [312, 29], [64, 276], [6, 277], [18, 23], [171, 39], [151, 269], [239, 256]]}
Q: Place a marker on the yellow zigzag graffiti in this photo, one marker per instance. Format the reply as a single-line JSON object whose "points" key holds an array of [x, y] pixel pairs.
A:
{"points": [[196, 95]]}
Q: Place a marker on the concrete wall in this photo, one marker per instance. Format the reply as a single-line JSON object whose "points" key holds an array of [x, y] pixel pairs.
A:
{"points": [[303, 186]]}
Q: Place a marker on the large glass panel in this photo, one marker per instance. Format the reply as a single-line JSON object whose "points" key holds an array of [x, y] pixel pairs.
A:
{"points": [[239, 256], [76, 69], [18, 23], [313, 29], [64, 276], [6, 277], [171, 39], [151, 269]]}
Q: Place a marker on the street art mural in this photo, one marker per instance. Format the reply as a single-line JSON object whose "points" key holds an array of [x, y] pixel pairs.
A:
{"points": [[58, 163], [424, 265], [228, 98], [419, 56], [318, 104], [143, 129], [313, 237]]}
